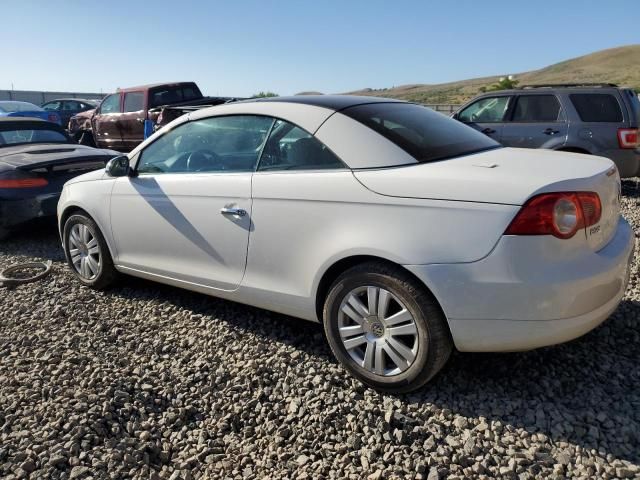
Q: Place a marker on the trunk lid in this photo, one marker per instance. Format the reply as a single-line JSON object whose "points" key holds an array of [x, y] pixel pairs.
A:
{"points": [[507, 176], [53, 157]]}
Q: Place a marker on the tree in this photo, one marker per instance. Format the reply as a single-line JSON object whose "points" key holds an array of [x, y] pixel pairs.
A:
{"points": [[265, 94], [505, 83]]}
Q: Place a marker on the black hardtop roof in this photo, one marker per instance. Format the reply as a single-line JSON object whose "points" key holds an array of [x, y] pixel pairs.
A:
{"points": [[25, 121], [66, 99], [332, 102]]}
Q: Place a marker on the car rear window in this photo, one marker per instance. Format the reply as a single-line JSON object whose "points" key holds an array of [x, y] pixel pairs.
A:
{"points": [[170, 95], [596, 107], [424, 134]]}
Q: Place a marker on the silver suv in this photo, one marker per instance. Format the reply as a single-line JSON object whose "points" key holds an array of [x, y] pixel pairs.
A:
{"points": [[597, 119]]}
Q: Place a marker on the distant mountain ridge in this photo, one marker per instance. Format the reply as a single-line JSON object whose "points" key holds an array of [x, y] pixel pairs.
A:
{"points": [[615, 65]]}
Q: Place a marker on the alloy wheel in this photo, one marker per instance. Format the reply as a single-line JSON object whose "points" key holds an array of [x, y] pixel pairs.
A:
{"points": [[84, 251], [378, 331]]}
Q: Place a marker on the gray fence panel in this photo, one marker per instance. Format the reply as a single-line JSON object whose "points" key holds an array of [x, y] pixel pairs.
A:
{"points": [[39, 98]]}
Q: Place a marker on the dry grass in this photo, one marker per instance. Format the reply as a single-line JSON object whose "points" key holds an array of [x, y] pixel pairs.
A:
{"points": [[616, 65]]}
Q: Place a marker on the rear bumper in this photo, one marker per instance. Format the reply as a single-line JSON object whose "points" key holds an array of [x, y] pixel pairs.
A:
{"points": [[16, 212], [519, 299], [627, 161]]}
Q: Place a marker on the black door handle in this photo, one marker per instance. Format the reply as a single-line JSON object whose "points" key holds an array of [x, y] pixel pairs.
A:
{"points": [[488, 131], [551, 131]]}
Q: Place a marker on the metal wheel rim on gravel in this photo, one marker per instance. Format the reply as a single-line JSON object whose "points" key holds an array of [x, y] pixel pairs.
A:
{"points": [[378, 331], [84, 251]]}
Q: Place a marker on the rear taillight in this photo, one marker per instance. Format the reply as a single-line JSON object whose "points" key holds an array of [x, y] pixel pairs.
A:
{"points": [[18, 179], [53, 117], [628, 138], [560, 214]]}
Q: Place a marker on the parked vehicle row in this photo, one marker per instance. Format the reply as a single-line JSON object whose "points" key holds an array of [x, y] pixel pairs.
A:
{"points": [[406, 233], [596, 119]]}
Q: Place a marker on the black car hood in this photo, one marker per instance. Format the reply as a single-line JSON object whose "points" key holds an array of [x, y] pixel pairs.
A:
{"points": [[46, 154]]}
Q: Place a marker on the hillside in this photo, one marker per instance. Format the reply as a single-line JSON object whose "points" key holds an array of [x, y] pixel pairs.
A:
{"points": [[616, 65]]}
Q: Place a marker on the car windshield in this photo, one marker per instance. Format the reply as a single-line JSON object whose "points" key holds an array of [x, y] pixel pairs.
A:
{"points": [[426, 135], [19, 107], [16, 135]]}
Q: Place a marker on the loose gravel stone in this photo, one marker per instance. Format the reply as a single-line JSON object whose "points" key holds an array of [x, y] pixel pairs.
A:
{"points": [[148, 381]]}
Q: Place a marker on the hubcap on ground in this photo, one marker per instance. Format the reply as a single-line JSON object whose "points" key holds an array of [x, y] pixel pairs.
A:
{"points": [[378, 331], [84, 251]]}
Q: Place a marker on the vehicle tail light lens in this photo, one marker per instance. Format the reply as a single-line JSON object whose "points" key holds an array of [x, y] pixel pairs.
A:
{"points": [[560, 214], [628, 137], [53, 117], [591, 207], [18, 179]]}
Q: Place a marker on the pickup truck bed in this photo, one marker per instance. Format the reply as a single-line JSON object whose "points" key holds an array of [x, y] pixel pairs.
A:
{"points": [[167, 113]]}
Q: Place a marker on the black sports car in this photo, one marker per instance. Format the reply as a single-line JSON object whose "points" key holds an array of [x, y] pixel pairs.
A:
{"points": [[36, 159]]}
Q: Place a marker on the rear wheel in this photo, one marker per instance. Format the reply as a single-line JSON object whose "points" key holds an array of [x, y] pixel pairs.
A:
{"points": [[386, 328], [87, 252], [4, 233]]}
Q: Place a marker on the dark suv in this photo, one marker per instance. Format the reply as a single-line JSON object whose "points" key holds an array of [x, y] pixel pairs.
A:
{"points": [[597, 119]]}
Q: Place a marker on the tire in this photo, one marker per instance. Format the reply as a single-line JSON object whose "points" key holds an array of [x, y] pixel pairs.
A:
{"points": [[95, 268], [86, 138], [428, 342], [4, 233]]}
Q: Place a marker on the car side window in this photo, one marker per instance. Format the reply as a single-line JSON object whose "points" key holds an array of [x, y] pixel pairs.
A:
{"points": [[597, 107], [51, 106], [217, 144], [133, 101], [485, 110], [71, 105], [111, 104], [291, 148], [537, 108]]}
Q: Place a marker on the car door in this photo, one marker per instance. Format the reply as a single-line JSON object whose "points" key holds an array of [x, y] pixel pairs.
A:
{"points": [[187, 213], [294, 200], [105, 123], [536, 121], [132, 119], [486, 114]]}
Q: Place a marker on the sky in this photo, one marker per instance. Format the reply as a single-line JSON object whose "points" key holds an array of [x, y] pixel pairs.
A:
{"points": [[238, 47]]}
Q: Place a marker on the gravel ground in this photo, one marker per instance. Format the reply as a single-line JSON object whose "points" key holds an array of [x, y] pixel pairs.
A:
{"points": [[147, 381]]}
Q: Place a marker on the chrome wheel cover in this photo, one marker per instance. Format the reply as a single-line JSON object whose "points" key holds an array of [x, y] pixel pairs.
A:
{"points": [[84, 251], [378, 331]]}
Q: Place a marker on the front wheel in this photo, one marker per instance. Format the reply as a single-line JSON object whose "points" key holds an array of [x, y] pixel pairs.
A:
{"points": [[386, 328], [86, 138], [87, 253]]}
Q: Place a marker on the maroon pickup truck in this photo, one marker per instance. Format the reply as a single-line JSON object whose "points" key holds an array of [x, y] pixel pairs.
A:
{"points": [[119, 121]]}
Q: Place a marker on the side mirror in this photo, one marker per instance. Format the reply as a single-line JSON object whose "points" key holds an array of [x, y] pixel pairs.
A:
{"points": [[118, 166]]}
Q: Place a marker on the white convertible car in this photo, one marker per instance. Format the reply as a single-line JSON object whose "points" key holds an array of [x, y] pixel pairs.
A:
{"points": [[404, 232]]}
